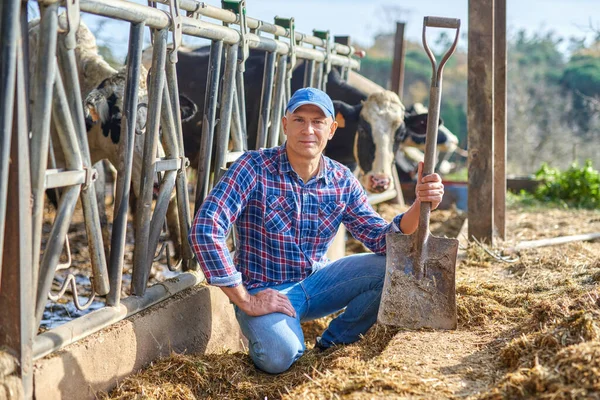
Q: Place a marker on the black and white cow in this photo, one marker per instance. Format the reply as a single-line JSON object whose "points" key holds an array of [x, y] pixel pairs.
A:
{"points": [[413, 145], [355, 140]]}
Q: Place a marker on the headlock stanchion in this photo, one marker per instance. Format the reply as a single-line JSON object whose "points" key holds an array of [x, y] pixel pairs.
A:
{"points": [[57, 96]]}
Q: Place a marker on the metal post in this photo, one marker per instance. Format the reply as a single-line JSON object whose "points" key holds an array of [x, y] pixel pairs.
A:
{"points": [[142, 258], [43, 82], [171, 147], [344, 40], [309, 72], [279, 98], [8, 53], [226, 110], [89, 204], [183, 200], [318, 76], [128, 123], [398, 65], [208, 123], [500, 117], [241, 100], [16, 286], [265, 100], [480, 118]]}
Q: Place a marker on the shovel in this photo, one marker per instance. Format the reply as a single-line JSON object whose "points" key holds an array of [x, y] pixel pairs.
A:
{"points": [[419, 289]]}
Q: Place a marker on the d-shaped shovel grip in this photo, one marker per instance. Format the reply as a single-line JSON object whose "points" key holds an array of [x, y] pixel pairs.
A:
{"points": [[435, 96]]}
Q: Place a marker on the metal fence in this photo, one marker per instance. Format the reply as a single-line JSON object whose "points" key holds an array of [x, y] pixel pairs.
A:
{"points": [[27, 268]]}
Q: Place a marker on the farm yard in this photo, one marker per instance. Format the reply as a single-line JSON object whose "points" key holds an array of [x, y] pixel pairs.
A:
{"points": [[527, 329], [126, 137]]}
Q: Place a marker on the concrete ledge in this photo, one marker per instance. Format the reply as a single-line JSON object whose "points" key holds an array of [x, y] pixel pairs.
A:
{"points": [[198, 320]]}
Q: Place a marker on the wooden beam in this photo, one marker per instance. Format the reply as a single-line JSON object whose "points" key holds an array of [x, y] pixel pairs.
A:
{"points": [[500, 118], [480, 119]]}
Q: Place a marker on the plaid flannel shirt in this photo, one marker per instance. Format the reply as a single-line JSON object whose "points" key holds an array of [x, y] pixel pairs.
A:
{"points": [[283, 225]]}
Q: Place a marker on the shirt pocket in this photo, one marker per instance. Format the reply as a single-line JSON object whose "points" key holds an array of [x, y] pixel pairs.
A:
{"points": [[278, 216], [330, 217]]}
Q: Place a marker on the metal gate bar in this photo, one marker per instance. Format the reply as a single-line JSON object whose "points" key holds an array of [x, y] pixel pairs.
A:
{"points": [[142, 255], [123, 185], [227, 100], [278, 101], [208, 124], [8, 55], [265, 100], [43, 82], [181, 183]]}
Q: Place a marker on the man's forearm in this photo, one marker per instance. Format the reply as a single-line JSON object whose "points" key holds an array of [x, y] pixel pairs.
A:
{"points": [[410, 220], [237, 294]]}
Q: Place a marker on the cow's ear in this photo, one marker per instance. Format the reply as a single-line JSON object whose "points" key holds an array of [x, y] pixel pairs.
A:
{"points": [[187, 108], [141, 118], [345, 113], [96, 108]]}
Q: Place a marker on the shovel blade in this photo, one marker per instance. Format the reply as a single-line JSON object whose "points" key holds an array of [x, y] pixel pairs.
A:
{"points": [[419, 289]]}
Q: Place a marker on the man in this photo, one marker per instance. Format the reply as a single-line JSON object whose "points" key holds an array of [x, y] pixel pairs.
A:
{"points": [[287, 203]]}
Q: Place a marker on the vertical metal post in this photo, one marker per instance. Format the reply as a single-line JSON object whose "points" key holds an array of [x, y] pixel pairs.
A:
{"points": [[241, 100], [128, 123], [500, 117], [183, 200], [208, 122], [278, 101], [16, 286], [480, 117], [309, 72], [318, 75], [8, 53], [398, 65], [265, 99], [226, 110], [142, 259], [43, 82], [345, 40]]}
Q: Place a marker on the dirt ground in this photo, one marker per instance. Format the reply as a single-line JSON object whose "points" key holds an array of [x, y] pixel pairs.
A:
{"points": [[529, 328]]}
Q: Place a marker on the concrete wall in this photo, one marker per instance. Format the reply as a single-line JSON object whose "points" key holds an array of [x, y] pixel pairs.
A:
{"points": [[198, 320]]}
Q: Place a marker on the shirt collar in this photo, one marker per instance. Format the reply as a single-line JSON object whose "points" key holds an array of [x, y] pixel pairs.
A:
{"points": [[285, 167]]}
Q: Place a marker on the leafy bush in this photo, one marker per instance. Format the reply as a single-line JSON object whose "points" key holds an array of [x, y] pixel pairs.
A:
{"points": [[576, 187]]}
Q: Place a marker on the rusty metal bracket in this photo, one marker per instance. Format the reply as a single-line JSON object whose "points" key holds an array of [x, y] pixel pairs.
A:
{"points": [[176, 28], [73, 20]]}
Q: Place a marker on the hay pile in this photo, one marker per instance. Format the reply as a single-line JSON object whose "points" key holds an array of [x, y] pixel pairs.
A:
{"points": [[529, 329]]}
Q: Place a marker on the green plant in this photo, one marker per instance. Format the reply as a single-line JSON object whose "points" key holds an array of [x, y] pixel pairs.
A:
{"points": [[577, 187]]}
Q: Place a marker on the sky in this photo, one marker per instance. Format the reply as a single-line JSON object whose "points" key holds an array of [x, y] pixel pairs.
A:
{"points": [[362, 20]]}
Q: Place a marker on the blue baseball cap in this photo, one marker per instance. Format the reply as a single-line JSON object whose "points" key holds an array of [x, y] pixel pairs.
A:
{"points": [[311, 96]]}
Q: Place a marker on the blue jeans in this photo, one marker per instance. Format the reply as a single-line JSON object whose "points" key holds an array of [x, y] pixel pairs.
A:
{"points": [[354, 282]]}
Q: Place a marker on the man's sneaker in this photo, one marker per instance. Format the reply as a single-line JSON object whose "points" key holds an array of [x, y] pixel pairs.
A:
{"points": [[319, 345]]}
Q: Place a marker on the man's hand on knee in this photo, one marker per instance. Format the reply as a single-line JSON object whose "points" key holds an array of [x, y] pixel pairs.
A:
{"points": [[266, 302]]}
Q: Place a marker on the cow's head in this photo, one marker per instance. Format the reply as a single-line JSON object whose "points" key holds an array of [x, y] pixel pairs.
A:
{"points": [[104, 105], [380, 129]]}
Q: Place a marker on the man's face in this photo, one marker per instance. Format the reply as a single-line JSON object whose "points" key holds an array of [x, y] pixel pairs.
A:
{"points": [[307, 131]]}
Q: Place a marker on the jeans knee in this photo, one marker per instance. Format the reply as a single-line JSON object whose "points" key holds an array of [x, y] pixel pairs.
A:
{"points": [[277, 358]]}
